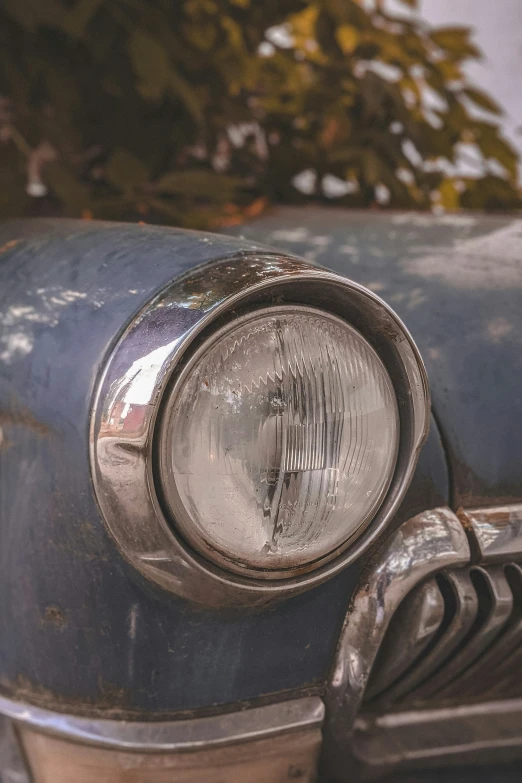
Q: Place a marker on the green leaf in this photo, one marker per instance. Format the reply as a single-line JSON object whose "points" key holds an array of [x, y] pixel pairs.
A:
{"points": [[450, 37], [449, 195], [77, 19], [32, 13], [151, 88], [157, 76], [199, 183], [65, 185], [347, 37], [187, 95], [493, 146], [483, 100], [455, 40], [151, 65], [372, 167], [491, 193], [125, 170]]}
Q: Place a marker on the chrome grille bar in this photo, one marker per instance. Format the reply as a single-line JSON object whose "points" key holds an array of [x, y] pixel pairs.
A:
{"points": [[411, 667]]}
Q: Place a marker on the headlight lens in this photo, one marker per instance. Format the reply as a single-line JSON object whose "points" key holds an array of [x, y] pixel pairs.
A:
{"points": [[279, 441]]}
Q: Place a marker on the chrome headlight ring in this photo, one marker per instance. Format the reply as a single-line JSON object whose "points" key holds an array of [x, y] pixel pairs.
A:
{"points": [[153, 351]]}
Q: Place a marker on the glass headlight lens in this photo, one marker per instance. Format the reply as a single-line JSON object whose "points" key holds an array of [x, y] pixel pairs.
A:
{"points": [[279, 441]]}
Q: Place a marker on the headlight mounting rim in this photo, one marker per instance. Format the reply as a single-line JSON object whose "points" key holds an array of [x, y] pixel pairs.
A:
{"points": [[183, 311]]}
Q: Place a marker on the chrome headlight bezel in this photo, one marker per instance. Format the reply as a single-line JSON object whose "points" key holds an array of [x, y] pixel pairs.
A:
{"points": [[157, 344]]}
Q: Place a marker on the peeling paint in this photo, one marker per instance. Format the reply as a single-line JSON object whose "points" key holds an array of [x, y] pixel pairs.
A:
{"points": [[15, 345], [498, 328], [18, 320]]}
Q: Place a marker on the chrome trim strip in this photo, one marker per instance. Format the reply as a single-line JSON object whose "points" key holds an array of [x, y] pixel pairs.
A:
{"points": [[170, 736], [425, 544], [136, 375], [484, 733], [474, 682], [446, 683], [466, 610], [497, 531], [416, 623]]}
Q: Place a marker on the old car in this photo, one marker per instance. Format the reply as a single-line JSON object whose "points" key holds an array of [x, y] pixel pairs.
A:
{"points": [[260, 498]]}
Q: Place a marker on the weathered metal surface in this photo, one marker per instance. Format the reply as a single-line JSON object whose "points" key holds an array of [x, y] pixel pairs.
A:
{"points": [[497, 532], [287, 757], [457, 628], [476, 652], [488, 672], [426, 544], [486, 733], [178, 736], [493, 620], [428, 711], [415, 625], [86, 633], [456, 281]]}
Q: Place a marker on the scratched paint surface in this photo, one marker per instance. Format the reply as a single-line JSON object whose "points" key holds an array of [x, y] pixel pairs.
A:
{"points": [[86, 632]]}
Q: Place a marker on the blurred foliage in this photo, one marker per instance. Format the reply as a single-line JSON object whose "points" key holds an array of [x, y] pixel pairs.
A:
{"points": [[200, 112]]}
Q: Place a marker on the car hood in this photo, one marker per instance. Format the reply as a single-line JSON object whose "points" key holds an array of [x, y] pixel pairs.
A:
{"points": [[456, 281]]}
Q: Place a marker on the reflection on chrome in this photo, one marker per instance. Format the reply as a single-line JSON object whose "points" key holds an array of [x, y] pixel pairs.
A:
{"points": [[422, 546], [136, 386], [475, 650], [129, 396], [497, 531]]}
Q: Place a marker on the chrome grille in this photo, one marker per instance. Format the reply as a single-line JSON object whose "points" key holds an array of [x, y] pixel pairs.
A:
{"points": [[427, 671], [452, 640]]}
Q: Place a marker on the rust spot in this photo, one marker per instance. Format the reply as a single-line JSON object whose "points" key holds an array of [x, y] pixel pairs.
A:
{"points": [[197, 302], [54, 616], [104, 705], [81, 540], [473, 492], [9, 245], [111, 694], [22, 688], [464, 520], [18, 416]]}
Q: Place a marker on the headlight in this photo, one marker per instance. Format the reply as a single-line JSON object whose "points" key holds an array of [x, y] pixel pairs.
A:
{"points": [[279, 441], [255, 429]]}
